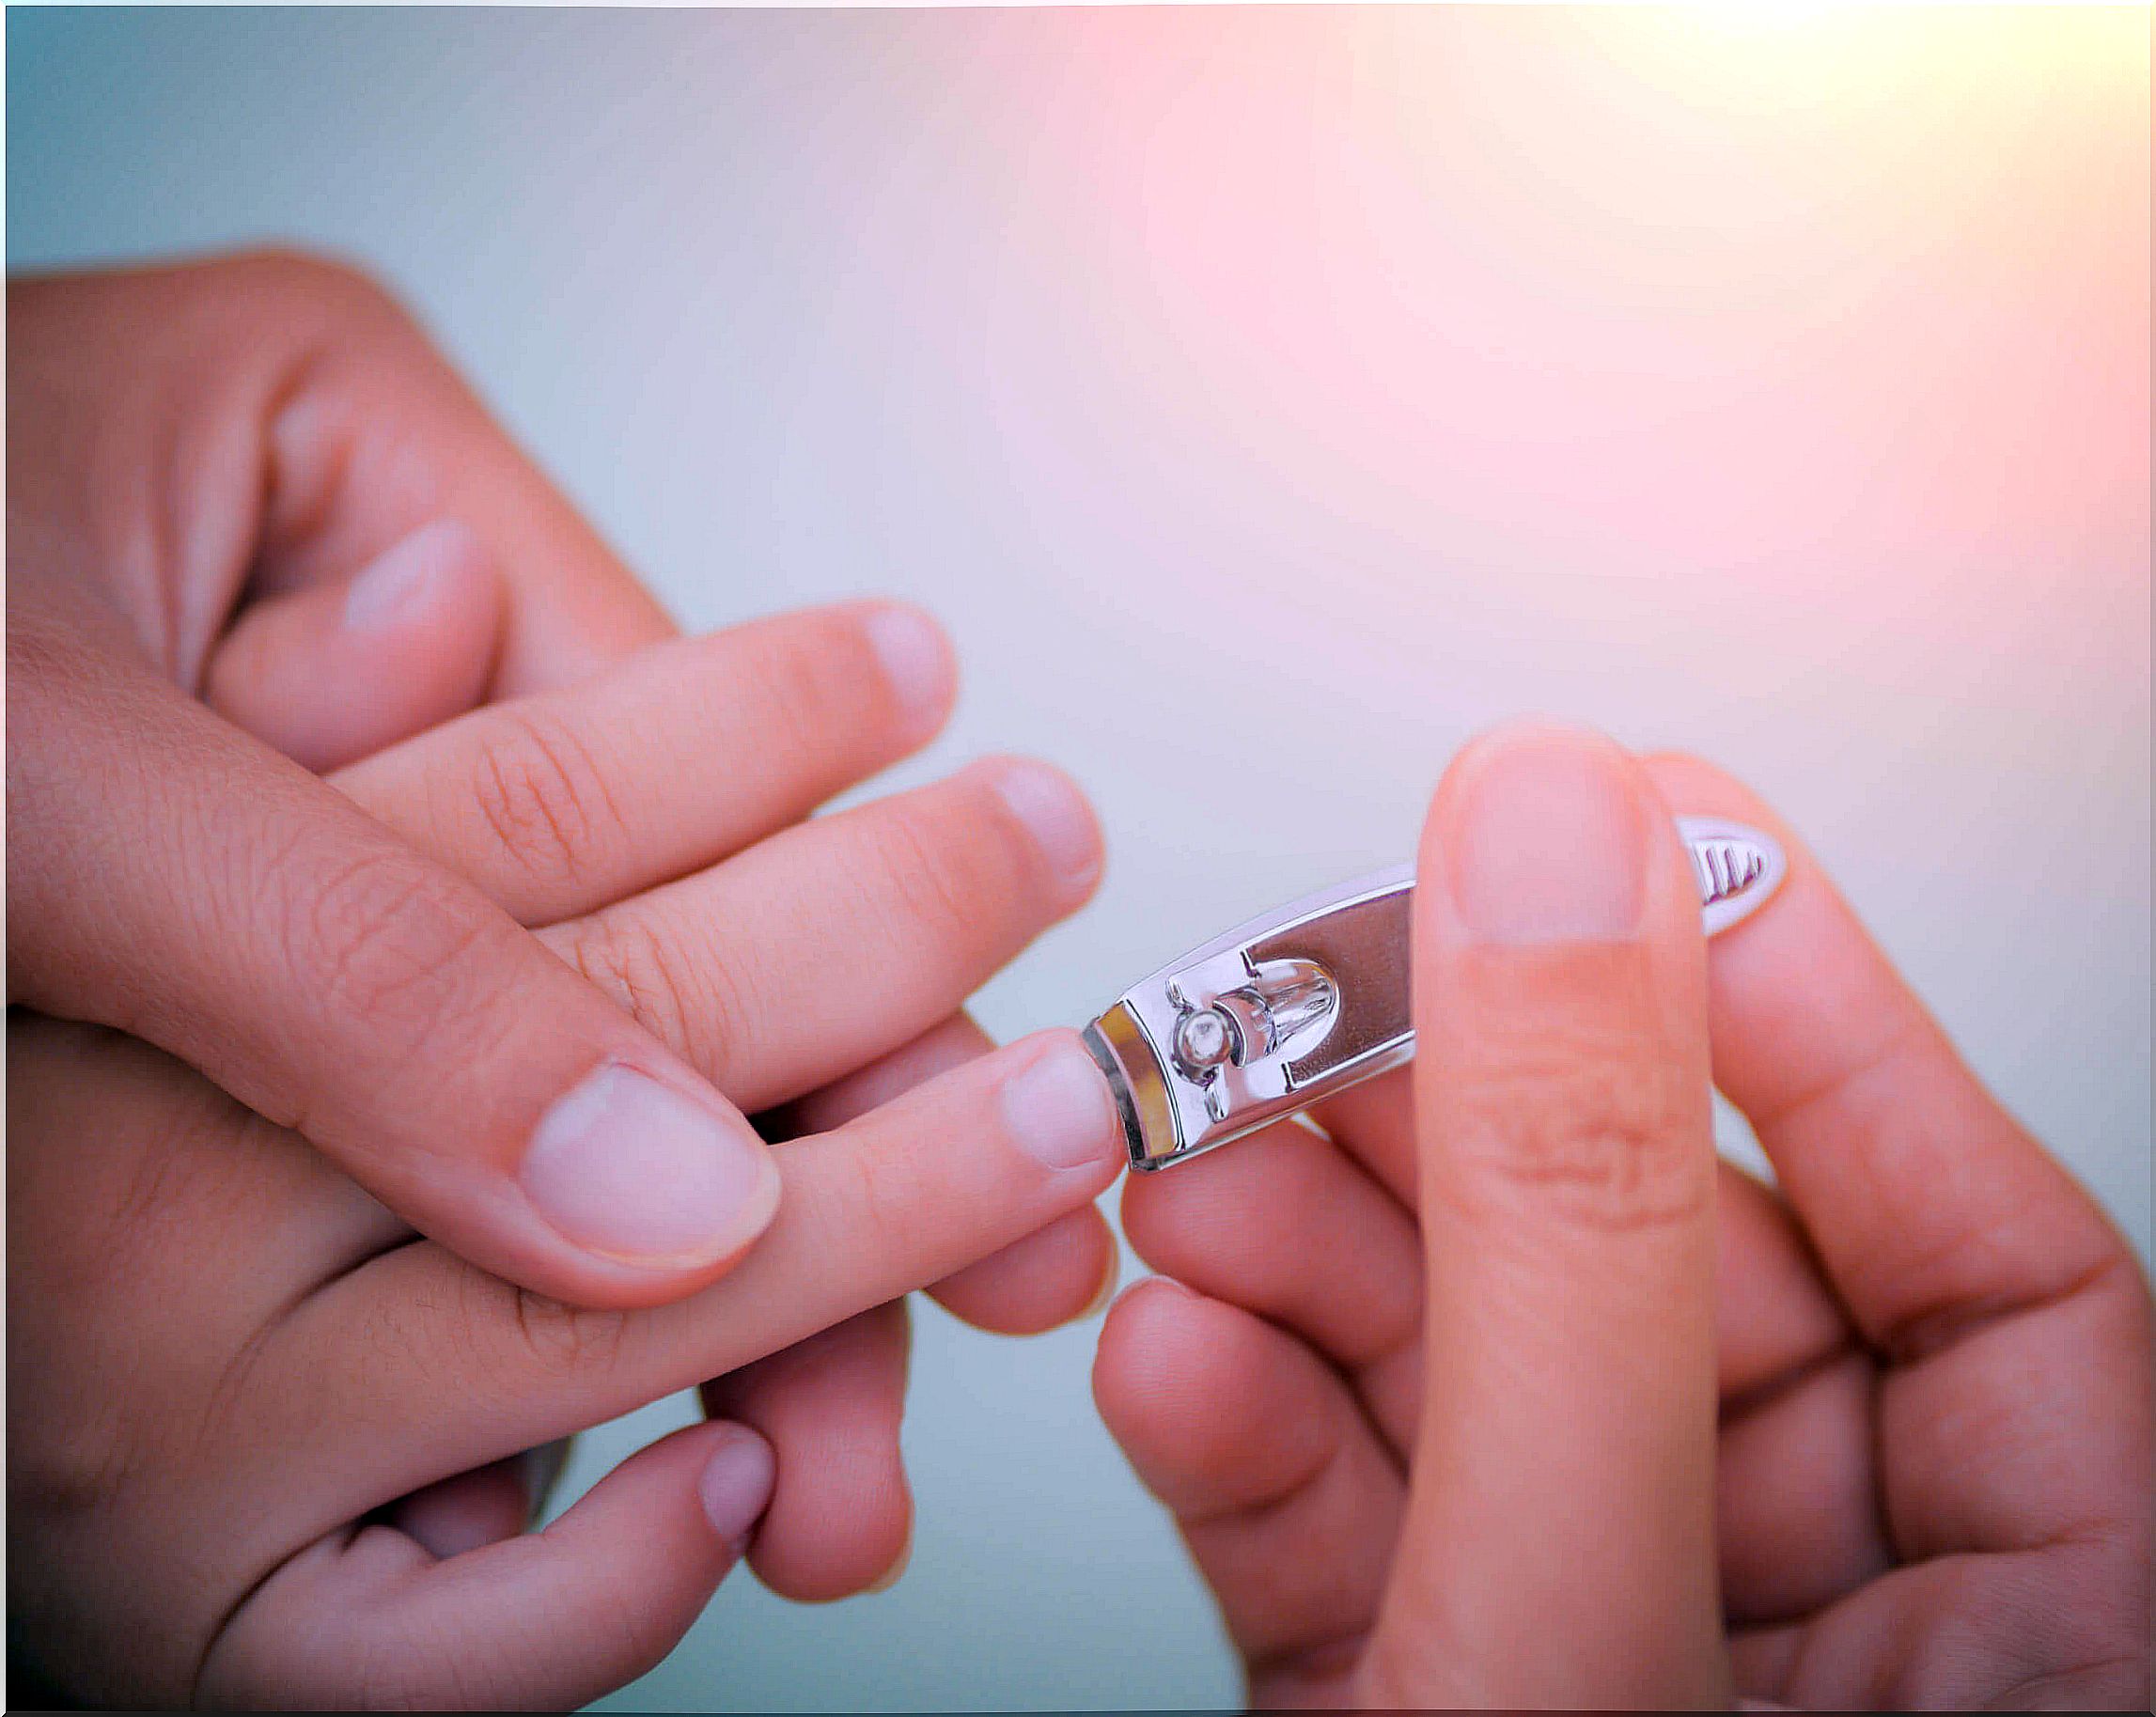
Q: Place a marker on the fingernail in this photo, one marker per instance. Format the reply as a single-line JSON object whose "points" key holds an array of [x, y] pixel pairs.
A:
{"points": [[1058, 1111], [897, 1572], [916, 661], [396, 583], [1106, 1291], [1546, 841], [1146, 1285], [630, 1167], [735, 1484], [1055, 814]]}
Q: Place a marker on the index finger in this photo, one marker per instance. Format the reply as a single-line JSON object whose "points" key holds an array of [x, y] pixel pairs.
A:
{"points": [[902, 1196], [1930, 1207]]}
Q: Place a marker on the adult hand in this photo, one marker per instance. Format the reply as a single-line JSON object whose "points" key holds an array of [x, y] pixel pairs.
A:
{"points": [[263, 1441], [175, 437], [1506, 1393], [254, 481]]}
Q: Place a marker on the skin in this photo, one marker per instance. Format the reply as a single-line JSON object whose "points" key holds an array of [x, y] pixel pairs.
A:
{"points": [[229, 1516], [219, 453], [1542, 1405]]}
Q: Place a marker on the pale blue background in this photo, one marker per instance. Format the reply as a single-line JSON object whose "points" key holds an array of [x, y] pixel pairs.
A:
{"points": [[806, 304]]}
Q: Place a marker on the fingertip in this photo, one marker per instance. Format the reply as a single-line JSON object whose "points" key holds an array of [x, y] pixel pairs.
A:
{"points": [[1056, 1107], [1058, 818], [865, 1551], [1210, 1403], [1691, 782], [406, 589], [900, 1562], [1539, 834], [331, 672], [830, 1407], [919, 666], [735, 1485], [1062, 1273], [1147, 1330]]}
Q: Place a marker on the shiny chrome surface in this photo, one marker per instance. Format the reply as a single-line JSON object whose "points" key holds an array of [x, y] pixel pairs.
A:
{"points": [[1286, 1009]]}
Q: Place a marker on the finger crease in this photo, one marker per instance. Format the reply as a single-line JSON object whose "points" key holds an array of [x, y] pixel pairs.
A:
{"points": [[1781, 1384], [1922, 1335]]}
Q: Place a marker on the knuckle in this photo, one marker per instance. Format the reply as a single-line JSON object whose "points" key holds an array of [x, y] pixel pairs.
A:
{"points": [[557, 1340], [950, 868], [805, 686], [543, 795], [631, 1635], [937, 880], [317, 281], [882, 1209], [1595, 1131], [702, 1009], [385, 938]]}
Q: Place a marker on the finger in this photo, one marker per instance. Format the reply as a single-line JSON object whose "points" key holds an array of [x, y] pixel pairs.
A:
{"points": [[841, 1518], [1564, 1455], [875, 923], [324, 429], [2052, 1630], [841, 1521], [1774, 1318], [565, 801], [1065, 1271], [949, 1043], [332, 672], [482, 1507], [1280, 1488], [1062, 1272], [902, 1196], [1374, 1122], [369, 1619], [1796, 1480], [371, 436], [468, 1511], [1264, 1229], [334, 980], [2016, 1411], [1930, 1209], [1287, 1227]]}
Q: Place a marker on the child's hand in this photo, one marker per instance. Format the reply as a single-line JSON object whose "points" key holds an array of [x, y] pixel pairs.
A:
{"points": [[1506, 1394]]}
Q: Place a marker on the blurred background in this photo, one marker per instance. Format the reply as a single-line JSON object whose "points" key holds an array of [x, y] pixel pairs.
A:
{"points": [[1268, 399]]}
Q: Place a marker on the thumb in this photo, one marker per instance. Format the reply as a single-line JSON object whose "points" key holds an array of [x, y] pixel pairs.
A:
{"points": [[1559, 1548], [171, 877]]}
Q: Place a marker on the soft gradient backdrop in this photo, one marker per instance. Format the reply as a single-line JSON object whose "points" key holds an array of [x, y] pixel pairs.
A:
{"points": [[1268, 399]]}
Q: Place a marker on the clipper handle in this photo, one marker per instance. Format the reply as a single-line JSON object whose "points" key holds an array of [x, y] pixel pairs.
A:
{"points": [[1286, 1010]]}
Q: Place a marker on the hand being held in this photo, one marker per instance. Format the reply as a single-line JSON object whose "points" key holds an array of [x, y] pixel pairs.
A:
{"points": [[1507, 1393]]}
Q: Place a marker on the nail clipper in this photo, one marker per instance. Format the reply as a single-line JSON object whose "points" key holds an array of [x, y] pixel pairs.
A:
{"points": [[1306, 1000]]}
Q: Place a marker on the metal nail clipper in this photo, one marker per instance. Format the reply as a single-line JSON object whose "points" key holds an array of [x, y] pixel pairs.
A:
{"points": [[1302, 1002]]}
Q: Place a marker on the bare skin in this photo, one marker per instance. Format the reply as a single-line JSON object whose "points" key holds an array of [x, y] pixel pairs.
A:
{"points": [[1541, 1406], [603, 863]]}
